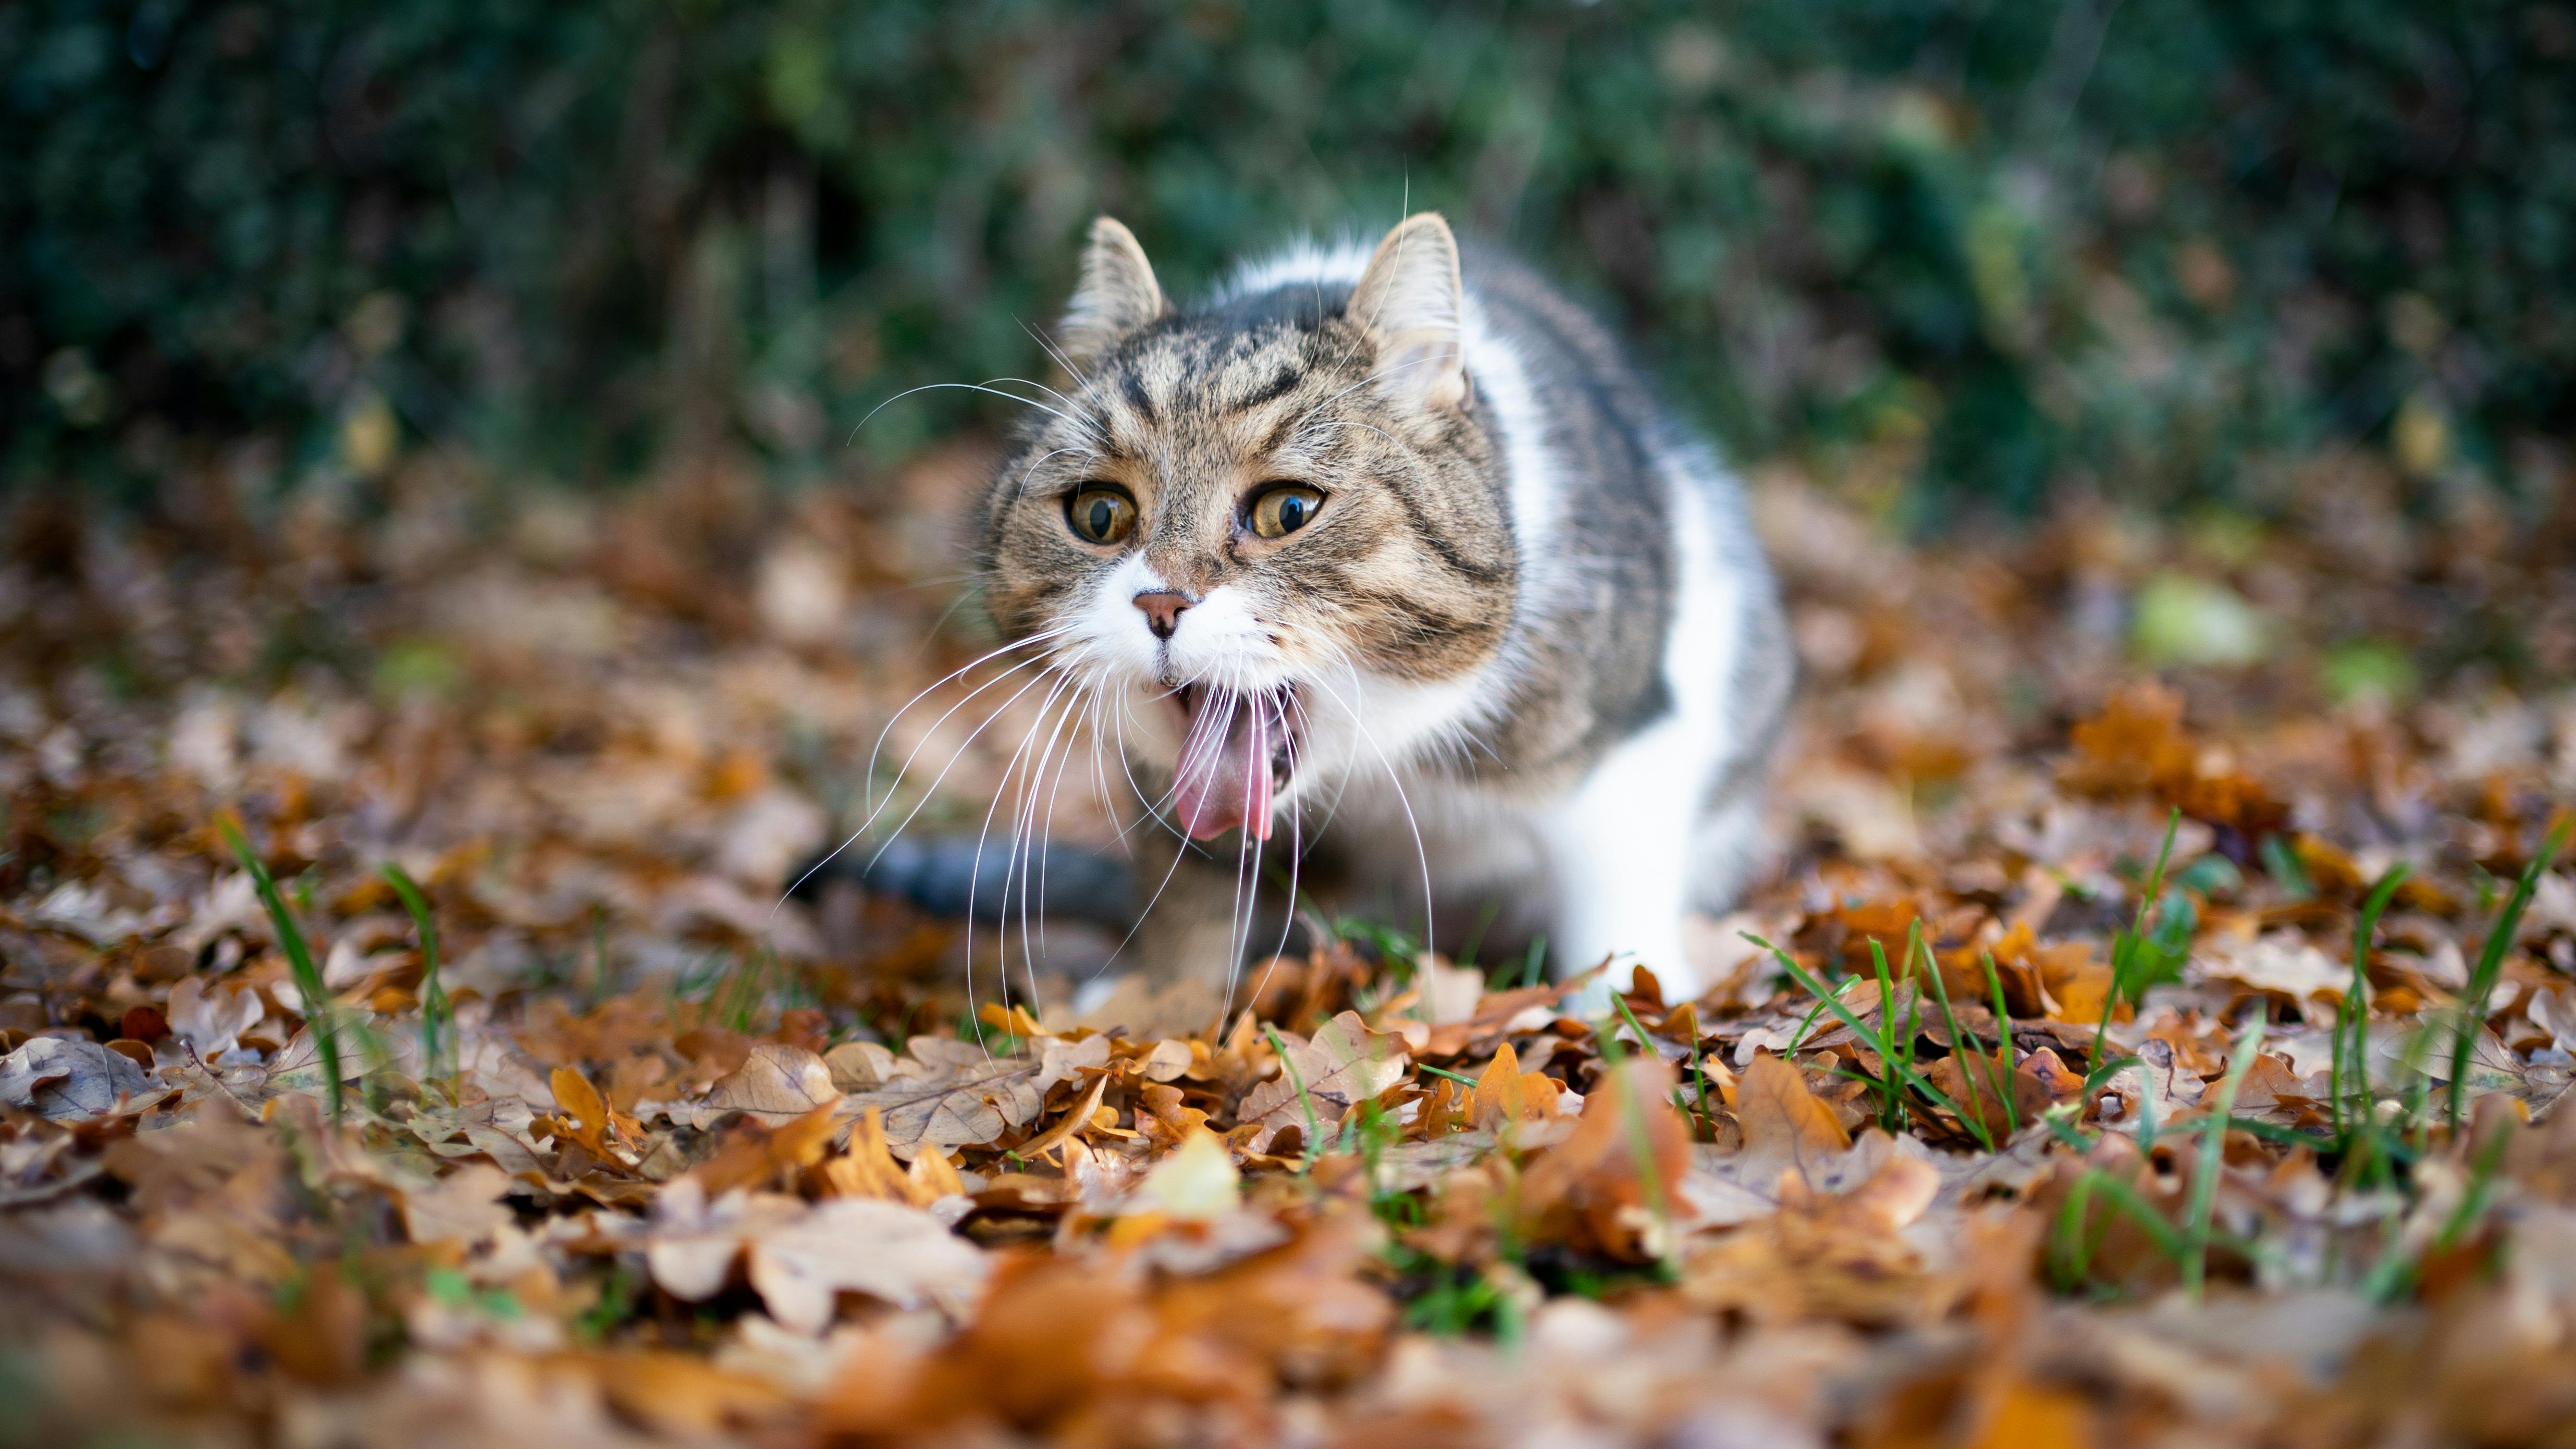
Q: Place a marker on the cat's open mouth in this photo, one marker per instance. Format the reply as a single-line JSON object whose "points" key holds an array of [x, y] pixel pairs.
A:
{"points": [[1238, 752]]}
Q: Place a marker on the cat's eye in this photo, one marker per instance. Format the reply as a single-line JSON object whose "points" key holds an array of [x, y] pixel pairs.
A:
{"points": [[1285, 509], [1100, 515]]}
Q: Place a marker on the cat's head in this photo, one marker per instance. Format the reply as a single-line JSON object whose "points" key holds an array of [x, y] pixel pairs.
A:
{"points": [[1270, 536]]}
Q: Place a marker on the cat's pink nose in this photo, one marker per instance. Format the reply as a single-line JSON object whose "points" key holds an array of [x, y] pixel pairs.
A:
{"points": [[1162, 610]]}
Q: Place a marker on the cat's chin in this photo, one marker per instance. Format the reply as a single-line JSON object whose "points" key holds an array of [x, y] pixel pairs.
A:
{"points": [[1238, 756]]}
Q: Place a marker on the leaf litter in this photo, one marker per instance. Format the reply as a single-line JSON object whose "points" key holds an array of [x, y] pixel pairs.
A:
{"points": [[2114, 1057]]}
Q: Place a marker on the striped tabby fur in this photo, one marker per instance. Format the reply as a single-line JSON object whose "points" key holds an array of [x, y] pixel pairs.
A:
{"points": [[1522, 656]]}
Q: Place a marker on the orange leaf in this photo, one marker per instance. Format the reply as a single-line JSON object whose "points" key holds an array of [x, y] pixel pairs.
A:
{"points": [[574, 1093], [1505, 1093], [866, 1168]]}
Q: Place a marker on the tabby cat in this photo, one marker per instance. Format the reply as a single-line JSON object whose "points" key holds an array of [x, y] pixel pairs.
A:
{"points": [[1385, 564]]}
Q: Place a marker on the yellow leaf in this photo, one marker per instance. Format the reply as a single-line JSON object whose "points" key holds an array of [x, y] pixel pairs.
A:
{"points": [[933, 1177], [1195, 1181], [866, 1168], [1505, 1093]]}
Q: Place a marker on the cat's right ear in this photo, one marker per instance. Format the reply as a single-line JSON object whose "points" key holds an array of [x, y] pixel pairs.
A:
{"points": [[1117, 294]]}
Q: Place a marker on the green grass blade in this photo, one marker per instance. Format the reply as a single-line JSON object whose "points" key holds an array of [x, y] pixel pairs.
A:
{"points": [[2003, 1043], [1891, 1109], [1305, 1100], [2213, 1159], [2125, 948], [435, 1012], [2473, 1006], [2356, 1002], [1850, 1018], [318, 1012], [1535, 963], [1914, 944]]}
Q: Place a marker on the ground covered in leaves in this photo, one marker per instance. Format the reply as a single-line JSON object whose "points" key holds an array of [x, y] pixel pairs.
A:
{"points": [[405, 1043]]}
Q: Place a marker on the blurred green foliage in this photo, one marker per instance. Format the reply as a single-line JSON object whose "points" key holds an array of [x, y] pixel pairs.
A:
{"points": [[1979, 247]]}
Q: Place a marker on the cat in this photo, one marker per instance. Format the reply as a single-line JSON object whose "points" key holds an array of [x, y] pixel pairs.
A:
{"points": [[1386, 562]]}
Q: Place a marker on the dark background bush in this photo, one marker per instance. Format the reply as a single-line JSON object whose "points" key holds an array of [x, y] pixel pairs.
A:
{"points": [[1947, 252]]}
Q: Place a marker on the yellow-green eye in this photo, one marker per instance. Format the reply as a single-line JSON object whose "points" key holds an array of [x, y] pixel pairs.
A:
{"points": [[1282, 511], [1100, 515]]}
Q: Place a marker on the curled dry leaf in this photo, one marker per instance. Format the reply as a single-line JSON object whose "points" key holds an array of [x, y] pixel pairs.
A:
{"points": [[68, 1079], [776, 1084], [866, 1168], [211, 1017]]}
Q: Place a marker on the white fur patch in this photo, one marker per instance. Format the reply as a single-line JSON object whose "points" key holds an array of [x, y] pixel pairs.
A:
{"points": [[1624, 842]]}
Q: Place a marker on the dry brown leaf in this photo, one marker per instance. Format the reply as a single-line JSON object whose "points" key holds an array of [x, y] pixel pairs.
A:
{"points": [[1344, 1065], [945, 1094], [798, 1256], [1164, 1117], [69, 1080], [1054, 1138], [1829, 1257], [865, 1168], [465, 1206], [752, 1154], [1786, 1126], [776, 1083], [1614, 1186], [889, 1251]]}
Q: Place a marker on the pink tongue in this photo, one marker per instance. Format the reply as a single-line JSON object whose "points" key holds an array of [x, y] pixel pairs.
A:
{"points": [[1224, 775]]}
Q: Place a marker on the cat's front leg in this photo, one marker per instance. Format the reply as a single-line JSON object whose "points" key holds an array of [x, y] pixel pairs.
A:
{"points": [[1196, 928], [1620, 849]]}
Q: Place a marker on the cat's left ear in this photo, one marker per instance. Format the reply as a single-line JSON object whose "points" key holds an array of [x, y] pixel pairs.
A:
{"points": [[1411, 302]]}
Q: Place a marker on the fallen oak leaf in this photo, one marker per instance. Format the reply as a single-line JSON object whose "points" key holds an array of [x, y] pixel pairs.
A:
{"points": [[1826, 1256], [681, 1394], [1194, 1182], [1345, 1064], [864, 1167], [1013, 1020], [1164, 1118], [1169, 1060], [464, 1206], [1612, 1186], [890, 1251], [1054, 1138], [1506, 1094], [1783, 1121], [69, 1079], [948, 1094], [589, 1122], [1449, 1109], [798, 1256], [211, 1018], [777, 1083], [2043, 1080], [754, 1153]]}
